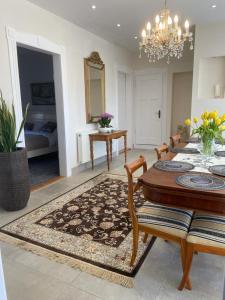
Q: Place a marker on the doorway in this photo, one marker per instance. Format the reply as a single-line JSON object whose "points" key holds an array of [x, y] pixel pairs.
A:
{"points": [[40, 131], [149, 93], [39, 43], [181, 101]]}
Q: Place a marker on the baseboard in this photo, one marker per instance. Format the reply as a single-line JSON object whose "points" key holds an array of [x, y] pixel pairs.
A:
{"points": [[122, 151], [87, 165], [46, 183]]}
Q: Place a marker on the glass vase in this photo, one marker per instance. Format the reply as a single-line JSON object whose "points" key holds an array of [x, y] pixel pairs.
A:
{"points": [[207, 147]]}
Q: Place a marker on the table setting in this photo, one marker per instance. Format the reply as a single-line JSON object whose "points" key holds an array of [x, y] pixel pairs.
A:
{"points": [[204, 159]]}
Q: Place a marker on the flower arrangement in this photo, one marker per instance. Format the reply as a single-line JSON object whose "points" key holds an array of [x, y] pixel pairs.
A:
{"points": [[210, 129], [105, 120]]}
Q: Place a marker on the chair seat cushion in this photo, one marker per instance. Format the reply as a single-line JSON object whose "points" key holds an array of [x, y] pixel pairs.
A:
{"points": [[207, 229], [171, 220]]}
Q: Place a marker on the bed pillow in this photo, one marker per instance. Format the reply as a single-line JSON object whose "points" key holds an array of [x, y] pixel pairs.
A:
{"points": [[49, 127], [29, 126]]}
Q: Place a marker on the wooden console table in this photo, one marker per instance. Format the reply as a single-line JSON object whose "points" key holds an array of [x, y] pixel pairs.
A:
{"points": [[107, 138]]}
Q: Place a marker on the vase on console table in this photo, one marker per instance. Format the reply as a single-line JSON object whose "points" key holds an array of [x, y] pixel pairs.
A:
{"points": [[104, 123], [105, 129]]}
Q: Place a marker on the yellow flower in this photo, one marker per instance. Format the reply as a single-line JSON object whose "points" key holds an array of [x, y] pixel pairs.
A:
{"points": [[187, 122], [218, 121], [205, 123], [213, 115], [206, 114], [195, 120], [222, 127], [222, 118]]}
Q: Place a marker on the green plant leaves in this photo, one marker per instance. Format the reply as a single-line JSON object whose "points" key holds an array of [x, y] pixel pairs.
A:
{"points": [[9, 138]]}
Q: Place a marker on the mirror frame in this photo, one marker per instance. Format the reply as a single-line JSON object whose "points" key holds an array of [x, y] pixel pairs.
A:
{"points": [[93, 61]]}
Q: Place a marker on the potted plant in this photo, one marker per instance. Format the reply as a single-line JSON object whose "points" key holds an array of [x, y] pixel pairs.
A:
{"points": [[14, 172], [104, 123], [210, 129]]}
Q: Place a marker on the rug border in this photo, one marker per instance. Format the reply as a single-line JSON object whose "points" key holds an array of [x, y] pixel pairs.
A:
{"points": [[61, 252]]}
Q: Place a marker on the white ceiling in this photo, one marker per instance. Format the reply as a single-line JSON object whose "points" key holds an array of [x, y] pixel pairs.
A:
{"points": [[131, 14]]}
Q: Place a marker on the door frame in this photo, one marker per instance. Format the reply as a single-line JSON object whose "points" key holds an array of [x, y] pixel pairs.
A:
{"points": [[164, 73], [44, 45], [129, 103]]}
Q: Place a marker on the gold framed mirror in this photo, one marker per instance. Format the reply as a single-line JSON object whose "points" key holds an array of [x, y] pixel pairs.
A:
{"points": [[94, 77]]}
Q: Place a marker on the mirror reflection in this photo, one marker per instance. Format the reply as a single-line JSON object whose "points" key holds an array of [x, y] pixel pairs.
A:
{"points": [[94, 87]]}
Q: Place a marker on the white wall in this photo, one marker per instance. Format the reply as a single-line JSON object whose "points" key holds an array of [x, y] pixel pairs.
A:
{"points": [[26, 17], [209, 42], [176, 66]]}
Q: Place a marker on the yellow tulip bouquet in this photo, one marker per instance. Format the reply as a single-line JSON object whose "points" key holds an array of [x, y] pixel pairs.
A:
{"points": [[210, 129]]}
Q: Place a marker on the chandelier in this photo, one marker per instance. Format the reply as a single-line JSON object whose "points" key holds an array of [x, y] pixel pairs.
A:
{"points": [[165, 38]]}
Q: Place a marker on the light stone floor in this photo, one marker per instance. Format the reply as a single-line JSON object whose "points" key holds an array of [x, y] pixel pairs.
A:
{"points": [[31, 277]]}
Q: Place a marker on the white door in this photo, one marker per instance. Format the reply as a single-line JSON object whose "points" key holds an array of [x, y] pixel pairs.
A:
{"points": [[148, 109], [122, 111]]}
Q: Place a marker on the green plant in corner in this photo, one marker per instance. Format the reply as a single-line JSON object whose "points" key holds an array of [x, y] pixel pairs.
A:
{"points": [[9, 138]]}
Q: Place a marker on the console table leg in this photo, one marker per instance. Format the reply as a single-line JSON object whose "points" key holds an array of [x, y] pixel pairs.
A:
{"points": [[125, 147], [107, 151], [92, 153], [111, 150]]}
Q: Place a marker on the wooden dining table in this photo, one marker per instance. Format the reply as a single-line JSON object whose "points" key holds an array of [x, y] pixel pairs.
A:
{"points": [[161, 187]]}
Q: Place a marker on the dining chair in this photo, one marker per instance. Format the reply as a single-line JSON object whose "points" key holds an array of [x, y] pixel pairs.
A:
{"points": [[206, 234], [161, 221], [175, 139], [163, 149]]}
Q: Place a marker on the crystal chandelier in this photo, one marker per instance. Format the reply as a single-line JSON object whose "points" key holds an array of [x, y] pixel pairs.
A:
{"points": [[165, 38]]}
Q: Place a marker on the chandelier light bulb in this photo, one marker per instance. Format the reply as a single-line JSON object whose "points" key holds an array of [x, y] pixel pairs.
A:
{"points": [[170, 21], [157, 19], [148, 26], [176, 19], [143, 35], [160, 26], [186, 25]]}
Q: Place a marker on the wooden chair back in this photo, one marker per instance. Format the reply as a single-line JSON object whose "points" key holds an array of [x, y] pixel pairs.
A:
{"points": [[163, 149], [175, 139], [132, 186]]}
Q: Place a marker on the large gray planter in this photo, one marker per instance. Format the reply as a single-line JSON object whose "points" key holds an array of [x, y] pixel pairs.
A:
{"points": [[14, 180]]}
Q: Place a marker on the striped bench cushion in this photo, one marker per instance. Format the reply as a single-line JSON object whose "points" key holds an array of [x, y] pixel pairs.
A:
{"points": [[166, 219], [207, 230]]}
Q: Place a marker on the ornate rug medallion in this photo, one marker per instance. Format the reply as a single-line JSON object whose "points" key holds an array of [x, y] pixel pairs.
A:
{"points": [[89, 226]]}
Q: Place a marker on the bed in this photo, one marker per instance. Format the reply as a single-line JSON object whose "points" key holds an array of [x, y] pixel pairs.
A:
{"points": [[41, 134]]}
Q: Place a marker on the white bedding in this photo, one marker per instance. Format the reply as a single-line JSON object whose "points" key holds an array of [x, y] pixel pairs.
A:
{"points": [[52, 137]]}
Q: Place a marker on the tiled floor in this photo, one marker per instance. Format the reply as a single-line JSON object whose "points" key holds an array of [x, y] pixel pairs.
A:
{"points": [[30, 277]]}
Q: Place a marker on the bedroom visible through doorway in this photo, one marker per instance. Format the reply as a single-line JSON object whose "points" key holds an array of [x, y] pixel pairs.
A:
{"points": [[41, 137]]}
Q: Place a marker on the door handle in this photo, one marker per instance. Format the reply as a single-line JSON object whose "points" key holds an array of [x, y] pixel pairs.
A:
{"points": [[159, 113]]}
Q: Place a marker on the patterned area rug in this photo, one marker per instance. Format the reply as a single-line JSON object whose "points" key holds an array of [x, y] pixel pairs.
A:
{"points": [[88, 228]]}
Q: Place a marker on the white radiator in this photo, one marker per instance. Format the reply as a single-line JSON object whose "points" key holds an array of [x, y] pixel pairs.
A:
{"points": [[84, 147]]}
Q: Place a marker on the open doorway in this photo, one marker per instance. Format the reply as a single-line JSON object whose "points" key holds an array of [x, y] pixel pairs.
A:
{"points": [[41, 136], [181, 102]]}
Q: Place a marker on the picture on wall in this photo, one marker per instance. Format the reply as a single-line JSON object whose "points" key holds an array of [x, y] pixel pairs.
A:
{"points": [[43, 93]]}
